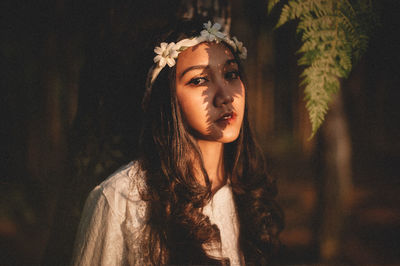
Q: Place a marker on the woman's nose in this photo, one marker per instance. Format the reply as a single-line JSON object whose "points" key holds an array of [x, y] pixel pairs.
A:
{"points": [[223, 95]]}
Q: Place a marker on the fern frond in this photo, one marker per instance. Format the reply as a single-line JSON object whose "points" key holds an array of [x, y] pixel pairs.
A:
{"points": [[294, 9], [316, 96], [313, 24], [321, 35], [288, 13], [272, 4], [334, 35]]}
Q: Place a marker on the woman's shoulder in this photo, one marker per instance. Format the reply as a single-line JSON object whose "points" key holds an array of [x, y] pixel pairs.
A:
{"points": [[123, 177], [123, 188]]}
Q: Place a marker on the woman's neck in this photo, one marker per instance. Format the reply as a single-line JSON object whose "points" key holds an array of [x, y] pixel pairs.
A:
{"points": [[213, 159]]}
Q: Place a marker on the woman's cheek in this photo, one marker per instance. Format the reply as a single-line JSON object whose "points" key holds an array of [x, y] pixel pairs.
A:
{"points": [[193, 111]]}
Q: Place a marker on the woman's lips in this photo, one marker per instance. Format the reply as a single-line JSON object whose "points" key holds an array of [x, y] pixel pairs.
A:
{"points": [[226, 118]]}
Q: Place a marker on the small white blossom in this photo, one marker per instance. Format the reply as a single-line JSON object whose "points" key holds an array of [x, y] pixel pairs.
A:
{"points": [[211, 32], [166, 54]]}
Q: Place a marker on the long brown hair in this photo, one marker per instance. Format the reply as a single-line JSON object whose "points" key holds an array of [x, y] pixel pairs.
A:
{"points": [[177, 228]]}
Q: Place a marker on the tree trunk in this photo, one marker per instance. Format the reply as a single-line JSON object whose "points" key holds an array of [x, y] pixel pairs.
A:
{"points": [[336, 184]]}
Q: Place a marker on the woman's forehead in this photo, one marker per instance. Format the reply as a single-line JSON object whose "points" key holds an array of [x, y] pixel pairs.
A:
{"points": [[210, 54]]}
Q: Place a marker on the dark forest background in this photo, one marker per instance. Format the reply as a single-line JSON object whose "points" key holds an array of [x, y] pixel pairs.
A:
{"points": [[72, 81]]}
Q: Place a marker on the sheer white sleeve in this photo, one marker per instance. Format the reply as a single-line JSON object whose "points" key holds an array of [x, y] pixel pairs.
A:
{"points": [[99, 239], [103, 237]]}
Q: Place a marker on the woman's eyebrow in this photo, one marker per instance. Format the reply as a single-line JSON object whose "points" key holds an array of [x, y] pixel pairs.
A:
{"points": [[228, 62], [192, 68]]}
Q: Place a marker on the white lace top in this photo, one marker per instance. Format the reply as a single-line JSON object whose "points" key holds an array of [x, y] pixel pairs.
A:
{"points": [[111, 230]]}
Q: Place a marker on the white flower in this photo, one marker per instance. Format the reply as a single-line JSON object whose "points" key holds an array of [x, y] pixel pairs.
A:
{"points": [[211, 32], [240, 48], [166, 54]]}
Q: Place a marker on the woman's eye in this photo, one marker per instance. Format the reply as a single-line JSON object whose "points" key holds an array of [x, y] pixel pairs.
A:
{"points": [[232, 75], [198, 81]]}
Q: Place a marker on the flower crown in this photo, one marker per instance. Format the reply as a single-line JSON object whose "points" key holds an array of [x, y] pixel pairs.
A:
{"points": [[166, 53]]}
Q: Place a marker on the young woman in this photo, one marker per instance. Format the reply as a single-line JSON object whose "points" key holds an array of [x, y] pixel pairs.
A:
{"points": [[199, 193]]}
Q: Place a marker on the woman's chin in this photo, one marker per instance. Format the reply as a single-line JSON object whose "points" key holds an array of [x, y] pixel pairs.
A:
{"points": [[229, 136], [216, 134]]}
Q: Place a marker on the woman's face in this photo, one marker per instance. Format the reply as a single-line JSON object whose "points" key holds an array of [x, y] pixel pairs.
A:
{"points": [[210, 92]]}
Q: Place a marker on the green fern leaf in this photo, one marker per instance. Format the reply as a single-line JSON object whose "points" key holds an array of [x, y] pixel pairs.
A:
{"points": [[334, 35], [272, 4]]}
